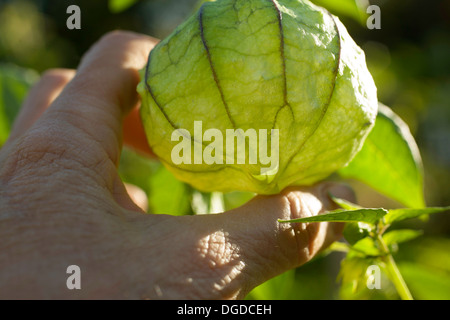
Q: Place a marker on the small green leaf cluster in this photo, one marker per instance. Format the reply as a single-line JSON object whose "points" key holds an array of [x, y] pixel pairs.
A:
{"points": [[369, 241]]}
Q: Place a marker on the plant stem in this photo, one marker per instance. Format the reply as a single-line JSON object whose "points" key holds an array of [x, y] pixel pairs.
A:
{"points": [[394, 273], [217, 204]]}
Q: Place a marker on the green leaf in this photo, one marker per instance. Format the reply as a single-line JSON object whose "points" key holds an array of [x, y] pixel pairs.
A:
{"points": [[347, 205], [277, 288], [390, 161], [166, 194], [399, 236], [355, 231], [431, 252], [236, 199], [136, 169], [371, 216], [353, 272], [354, 9], [366, 246], [169, 195], [395, 215], [426, 283], [339, 247], [117, 6]]}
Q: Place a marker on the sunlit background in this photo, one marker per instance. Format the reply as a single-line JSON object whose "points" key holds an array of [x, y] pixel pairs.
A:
{"points": [[409, 58]]}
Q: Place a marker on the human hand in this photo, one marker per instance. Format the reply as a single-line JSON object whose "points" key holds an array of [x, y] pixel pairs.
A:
{"points": [[62, 201]]}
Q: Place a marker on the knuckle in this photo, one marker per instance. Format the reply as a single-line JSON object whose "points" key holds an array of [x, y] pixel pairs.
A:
{"points": [[111, 41], [51, 73], [108, 53], [38, 157], [43, 150], [57, 76], [28, 161], [33, 150], [113, 36]]}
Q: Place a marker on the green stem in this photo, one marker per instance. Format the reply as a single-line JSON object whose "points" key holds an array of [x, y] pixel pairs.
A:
{"points": [[217, 203], [394, 273]]}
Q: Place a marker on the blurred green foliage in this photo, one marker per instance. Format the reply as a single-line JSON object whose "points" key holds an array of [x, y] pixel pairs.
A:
{"points": [[409, 58], [14, 85]]}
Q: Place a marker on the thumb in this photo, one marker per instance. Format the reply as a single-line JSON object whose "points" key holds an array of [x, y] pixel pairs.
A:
{"points": [[266, 248], [226, 255]]}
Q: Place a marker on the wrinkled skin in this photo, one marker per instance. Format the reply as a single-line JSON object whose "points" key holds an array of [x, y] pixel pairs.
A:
{"points": [[63, 203]]}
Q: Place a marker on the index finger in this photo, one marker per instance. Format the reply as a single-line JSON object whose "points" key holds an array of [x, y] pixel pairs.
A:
{"points": [[103, 91]]}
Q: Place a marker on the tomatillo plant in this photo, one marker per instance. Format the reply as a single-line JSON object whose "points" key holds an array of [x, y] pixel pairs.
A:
{"points": [[368, 240], [286, 81], [287, 69]]}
